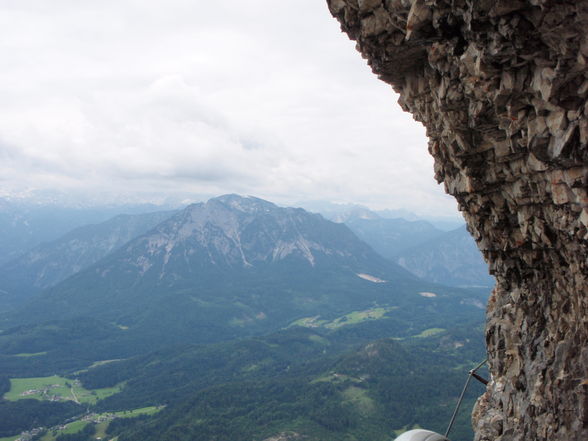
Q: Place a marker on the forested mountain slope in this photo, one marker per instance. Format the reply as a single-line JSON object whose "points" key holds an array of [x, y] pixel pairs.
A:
{"points": [[51, 262]]}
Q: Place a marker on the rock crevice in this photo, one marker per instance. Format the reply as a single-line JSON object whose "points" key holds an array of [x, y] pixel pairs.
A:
{"points": [[501, 87]]}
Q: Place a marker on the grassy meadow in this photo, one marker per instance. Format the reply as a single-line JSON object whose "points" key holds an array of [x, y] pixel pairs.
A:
{"points": [[55, 388]]}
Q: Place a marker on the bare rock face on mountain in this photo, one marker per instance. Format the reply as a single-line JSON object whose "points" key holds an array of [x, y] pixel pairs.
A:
{"points": [[501, 87]]}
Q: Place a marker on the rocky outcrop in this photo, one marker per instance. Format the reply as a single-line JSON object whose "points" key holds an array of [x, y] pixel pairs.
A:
{"points": [[501, 87]]}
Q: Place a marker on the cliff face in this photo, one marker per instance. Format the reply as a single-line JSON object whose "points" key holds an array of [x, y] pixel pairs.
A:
{"points": [[501, 86]]}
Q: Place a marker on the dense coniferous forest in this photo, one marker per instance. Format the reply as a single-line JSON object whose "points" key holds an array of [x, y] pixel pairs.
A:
{"points": [[365, 393], [320, 383], [16, 416]]}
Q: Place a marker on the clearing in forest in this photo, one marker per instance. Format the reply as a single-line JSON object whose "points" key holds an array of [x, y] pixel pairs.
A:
{"points": [[55, 388]]}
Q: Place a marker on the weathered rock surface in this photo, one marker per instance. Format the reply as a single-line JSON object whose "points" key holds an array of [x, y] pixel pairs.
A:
{"points": [[501, 86]]}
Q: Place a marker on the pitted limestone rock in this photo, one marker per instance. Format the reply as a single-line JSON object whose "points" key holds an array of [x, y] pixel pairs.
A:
{"points": [[501, 86]]}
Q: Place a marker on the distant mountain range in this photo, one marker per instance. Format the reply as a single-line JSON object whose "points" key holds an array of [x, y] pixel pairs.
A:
{"points": [[451, 258], [448, 257], [343, 212], [391, 237], [25, 225], [51, 262], [38, 247], [235, 266]]}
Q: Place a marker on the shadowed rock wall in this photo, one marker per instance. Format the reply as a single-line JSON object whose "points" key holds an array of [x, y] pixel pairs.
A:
{"points": [[501, 87]]}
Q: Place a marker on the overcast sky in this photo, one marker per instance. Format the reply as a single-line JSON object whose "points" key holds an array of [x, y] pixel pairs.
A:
{"points": [[148, 99]]}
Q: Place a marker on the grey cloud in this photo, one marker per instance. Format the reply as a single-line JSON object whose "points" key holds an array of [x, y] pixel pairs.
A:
{"points": [[258, 97]]}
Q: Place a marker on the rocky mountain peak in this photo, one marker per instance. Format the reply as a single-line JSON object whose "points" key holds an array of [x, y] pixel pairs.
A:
{"points": [[232, 230], [227, 248], [245, 204]]}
